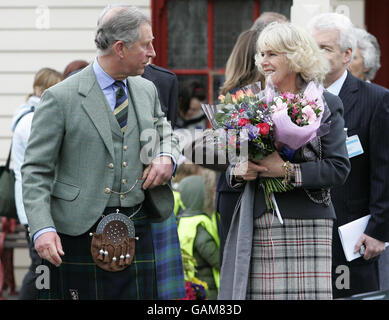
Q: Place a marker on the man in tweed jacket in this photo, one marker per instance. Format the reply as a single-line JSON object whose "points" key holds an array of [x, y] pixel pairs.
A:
{"points": [[79, 157]]}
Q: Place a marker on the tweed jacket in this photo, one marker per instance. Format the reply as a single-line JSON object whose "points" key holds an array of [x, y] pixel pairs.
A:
{"points": [[68, 161]]}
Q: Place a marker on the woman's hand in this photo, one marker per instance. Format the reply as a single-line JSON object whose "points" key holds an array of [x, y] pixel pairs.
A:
{"points": [[274, 165], [270, 167], [247, 170]]}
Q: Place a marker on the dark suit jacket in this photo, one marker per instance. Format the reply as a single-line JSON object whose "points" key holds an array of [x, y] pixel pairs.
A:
{"points": [[366, 114], [167, 86]]}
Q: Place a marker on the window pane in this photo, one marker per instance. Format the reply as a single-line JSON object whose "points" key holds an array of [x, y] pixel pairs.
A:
{"points": [[183, 78], [218, 81], [280, 6], [187, 34], [231, 17]]}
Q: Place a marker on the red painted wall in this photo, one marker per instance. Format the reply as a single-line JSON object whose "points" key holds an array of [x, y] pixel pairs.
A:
{"points": [[377, 23]]}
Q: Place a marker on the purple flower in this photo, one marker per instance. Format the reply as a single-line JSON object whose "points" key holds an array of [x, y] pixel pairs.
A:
{"points": [[252, 131]]}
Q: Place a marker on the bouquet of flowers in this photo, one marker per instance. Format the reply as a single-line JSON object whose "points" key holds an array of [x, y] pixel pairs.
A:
{"points": [[266, 121], [244, 120], [195, 289], [297, 117]]}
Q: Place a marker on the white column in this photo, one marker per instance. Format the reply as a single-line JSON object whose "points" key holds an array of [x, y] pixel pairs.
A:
{"points": [[303, 10]]}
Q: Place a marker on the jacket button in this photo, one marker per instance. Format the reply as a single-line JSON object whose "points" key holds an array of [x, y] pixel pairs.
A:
{"points": [[125, 148], [124, 164], [122, 197], [124, 181], [111, 166], [107, 190]]}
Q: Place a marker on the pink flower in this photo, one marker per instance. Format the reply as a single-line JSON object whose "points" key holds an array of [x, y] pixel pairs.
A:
{"points": [[190, 294], [249, 93], [309, 114], [239, 94], [288, 95]]}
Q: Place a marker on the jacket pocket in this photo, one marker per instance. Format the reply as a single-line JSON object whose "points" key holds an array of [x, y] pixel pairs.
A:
{"points": [[64, 191]]}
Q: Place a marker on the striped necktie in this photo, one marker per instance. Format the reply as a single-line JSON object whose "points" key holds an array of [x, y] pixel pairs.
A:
{"points": [[121, 106]]}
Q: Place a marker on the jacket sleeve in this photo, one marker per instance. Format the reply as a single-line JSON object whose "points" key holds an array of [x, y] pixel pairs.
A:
{"points": [[334, 167], [48, 127], [172, 111], [206, 247], [378, 226]]}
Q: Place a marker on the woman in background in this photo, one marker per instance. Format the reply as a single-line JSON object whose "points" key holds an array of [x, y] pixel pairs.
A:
{"points": [[21, 127], [191, 94]]}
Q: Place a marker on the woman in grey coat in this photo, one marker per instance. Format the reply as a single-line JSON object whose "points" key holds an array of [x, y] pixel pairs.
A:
{"points": [[287, 258]]}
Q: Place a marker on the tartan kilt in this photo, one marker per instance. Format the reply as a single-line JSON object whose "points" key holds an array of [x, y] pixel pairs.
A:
{"points": [[79, 277], [291, 261]]}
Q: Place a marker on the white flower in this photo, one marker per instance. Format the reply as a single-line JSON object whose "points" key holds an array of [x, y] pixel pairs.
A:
{"points": [[279, 104]]}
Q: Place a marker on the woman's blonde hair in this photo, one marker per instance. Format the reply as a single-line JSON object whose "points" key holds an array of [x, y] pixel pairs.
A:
{"points": [[301, 50], [45, 78]]}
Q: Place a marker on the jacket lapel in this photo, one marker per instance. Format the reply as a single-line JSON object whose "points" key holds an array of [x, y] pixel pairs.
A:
{"points": [[95, 106], [348, 93]]}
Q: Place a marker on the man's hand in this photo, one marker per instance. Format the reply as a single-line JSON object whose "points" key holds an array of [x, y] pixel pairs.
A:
{"points": [[158, 172], [49, 247], [374, 247], [248, 170]]}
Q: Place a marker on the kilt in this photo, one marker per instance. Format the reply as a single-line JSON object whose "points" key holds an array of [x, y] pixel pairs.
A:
{"points": [[290, 261], [79, 277]]}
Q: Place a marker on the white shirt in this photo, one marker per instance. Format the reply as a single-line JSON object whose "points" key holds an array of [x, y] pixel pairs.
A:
{"points": [[336, 86]]}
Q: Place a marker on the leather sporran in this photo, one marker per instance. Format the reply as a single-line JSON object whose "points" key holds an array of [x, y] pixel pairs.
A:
{"points": [[113, 243]]}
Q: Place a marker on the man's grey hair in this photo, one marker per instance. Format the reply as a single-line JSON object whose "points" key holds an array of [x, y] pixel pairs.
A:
{"points": [[266, 18], [121, 23], [337, 21], [370, 51]]}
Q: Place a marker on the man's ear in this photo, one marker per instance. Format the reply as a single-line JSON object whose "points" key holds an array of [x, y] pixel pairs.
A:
{"points": [[366, 70], [118, 48], [347, 56]]}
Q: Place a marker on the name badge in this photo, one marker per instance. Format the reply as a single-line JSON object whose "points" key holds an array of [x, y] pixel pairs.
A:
{"points": [[354, 147]]}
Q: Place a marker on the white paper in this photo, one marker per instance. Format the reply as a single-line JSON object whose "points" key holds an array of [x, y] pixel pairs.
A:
{"points": [[349, 235]]}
